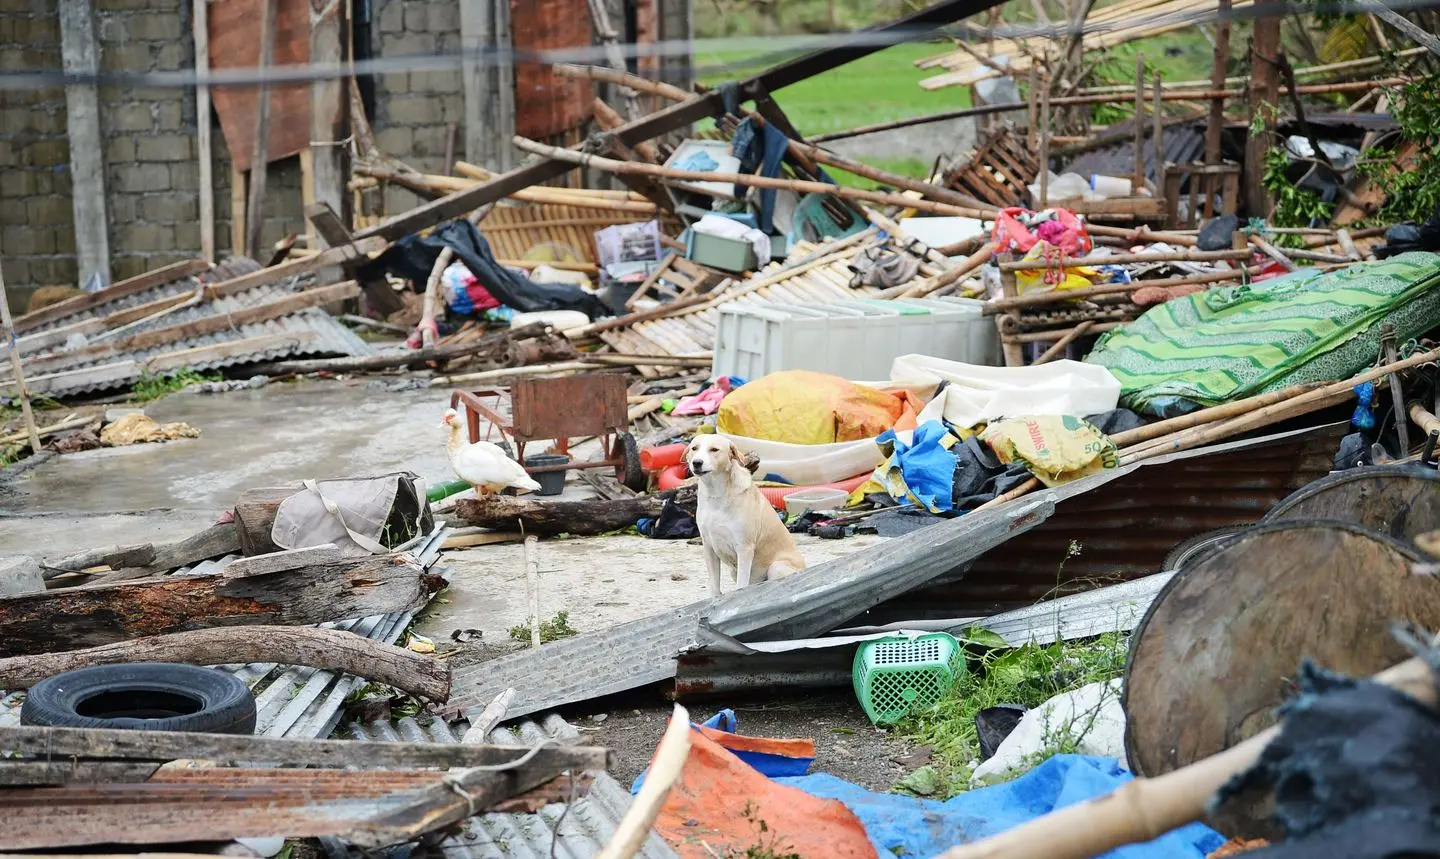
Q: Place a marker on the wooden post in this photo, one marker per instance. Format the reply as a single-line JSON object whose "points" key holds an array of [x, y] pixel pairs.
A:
{"points": [[1157, 131], [237, 210], [7, 330], [1137, 181], [87, 165], [201, 30], [1030, 98], [260, 160], [532, 586], [329, 152], [616, 60], [1215, 129], [1264, 95], [1045, 140], [489, 86]]}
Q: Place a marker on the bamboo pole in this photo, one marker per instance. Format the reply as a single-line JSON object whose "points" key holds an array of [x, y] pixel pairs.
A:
{"points": [[670, 758], [1188, 255], [1056, 296], [1137, 181], [954, 275], [428, 308], [532, 586], [1210, 415], [474, 171], [1423, 418], [1145, 809], [1070, 337], [10, 346], [1157, 134], [1044, 155], [1046, 336]]}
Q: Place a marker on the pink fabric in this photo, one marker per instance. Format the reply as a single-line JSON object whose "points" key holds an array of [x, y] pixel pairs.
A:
{"points": [[707, 402]]}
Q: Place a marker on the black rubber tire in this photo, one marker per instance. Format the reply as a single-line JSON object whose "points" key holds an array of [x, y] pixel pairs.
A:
{"points": [[1191, 550], [184, 698], [630, 474]]}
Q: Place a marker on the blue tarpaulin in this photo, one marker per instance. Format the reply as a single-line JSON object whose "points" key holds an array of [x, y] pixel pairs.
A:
{"points": [[909, 827]]}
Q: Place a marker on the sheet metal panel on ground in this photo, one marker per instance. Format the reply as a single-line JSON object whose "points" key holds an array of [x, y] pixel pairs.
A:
{"points": [[828, 595]]}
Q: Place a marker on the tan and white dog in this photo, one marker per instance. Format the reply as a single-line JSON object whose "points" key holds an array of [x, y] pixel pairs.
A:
{"points": [[738, 526]]}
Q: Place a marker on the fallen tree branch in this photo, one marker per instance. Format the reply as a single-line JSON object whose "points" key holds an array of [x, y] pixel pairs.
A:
{"points": [[328, 649], [488, 343]]}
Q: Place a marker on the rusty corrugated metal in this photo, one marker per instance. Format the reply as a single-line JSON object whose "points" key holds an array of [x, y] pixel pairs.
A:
{"points": [[545, 103], [181, 805], [578, 830], [1125, 527]]}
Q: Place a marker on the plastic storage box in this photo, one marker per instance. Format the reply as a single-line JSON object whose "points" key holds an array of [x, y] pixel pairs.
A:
{"points": [[899, 675], [854, 339]]}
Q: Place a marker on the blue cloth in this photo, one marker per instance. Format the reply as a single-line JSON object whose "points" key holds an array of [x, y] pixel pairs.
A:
{"points": [[906, 826], [924, 469], [772, 765]]}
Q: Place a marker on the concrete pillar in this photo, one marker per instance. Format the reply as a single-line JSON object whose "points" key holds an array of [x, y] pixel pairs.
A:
{"points": [[87, 167], [489, 85]]}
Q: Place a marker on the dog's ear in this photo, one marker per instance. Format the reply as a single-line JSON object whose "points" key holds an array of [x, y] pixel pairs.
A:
{"points": [[748, 461]]}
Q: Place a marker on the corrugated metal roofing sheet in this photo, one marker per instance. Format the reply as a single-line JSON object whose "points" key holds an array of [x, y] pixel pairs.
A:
{"points": [[1182, 144], [577, 830], [291, 701]]}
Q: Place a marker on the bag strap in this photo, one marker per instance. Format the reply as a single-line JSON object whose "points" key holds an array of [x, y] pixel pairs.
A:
{"points": [[333, 509]]}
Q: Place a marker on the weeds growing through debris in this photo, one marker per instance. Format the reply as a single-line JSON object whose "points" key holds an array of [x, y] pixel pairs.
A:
{"points": [[767, 843], [1028, 676], [554, 629], [152, 386]]}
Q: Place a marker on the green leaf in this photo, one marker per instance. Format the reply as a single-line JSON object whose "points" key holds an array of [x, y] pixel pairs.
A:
{"points": [[983, 637], [922, 782]]}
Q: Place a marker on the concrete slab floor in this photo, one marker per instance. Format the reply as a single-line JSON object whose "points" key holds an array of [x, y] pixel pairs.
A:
{"points": [[598, 581], [277, 434]]}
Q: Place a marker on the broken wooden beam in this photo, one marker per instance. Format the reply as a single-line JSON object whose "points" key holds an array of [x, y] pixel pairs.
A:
{"points": [[499, 344], [74, 618], [581, 518], [105, 743], [310, 647]]}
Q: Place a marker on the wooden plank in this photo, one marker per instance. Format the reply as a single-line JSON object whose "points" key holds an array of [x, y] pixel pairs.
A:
{"points": [[80, 55], [200, 29], [231, 349], [330, 112], [123, 289], [47, 773], [310, 647], [259, 162], [89, 616], [237, 210], [330, 754], [234, 36], [282, 561], [211, 324], [356, 251]]}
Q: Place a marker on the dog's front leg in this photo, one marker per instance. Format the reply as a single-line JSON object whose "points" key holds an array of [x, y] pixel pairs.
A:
{"points": [[712, 565], [744, 561]]}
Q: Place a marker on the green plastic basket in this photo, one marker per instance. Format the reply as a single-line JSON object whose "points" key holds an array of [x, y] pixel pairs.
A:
{"points": [[903, 674]]}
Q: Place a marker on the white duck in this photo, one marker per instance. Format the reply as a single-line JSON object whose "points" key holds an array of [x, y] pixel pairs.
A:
{"points": [[483, 465]]}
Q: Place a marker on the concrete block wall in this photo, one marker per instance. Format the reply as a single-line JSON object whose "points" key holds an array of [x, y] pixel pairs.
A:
{"points": [[37, 242], [413, 109]]}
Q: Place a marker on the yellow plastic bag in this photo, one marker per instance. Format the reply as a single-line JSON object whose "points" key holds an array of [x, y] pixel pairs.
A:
{"points": [[1056, 448], [1047, 274], [801, 407]]}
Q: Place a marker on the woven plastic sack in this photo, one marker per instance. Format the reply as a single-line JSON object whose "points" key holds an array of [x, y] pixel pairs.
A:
{"points": [[802, 407], [361, 516], [1056, 448]]}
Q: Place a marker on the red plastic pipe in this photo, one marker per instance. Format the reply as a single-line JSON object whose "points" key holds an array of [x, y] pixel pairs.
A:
{"points": [[659, 458], [676, 474]]}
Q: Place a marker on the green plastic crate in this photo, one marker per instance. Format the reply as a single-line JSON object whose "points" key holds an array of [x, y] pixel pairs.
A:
{"points": [[899, 675]]}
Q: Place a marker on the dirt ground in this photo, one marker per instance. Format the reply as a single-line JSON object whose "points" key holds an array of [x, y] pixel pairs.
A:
{"points": [[846, 744]]}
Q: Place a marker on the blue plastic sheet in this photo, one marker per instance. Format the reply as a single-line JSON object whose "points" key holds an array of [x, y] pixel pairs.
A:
{"points": [[770, 764], [910, 827], [924, 469]]}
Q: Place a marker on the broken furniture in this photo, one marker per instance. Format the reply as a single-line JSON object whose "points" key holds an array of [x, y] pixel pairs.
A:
{"points": [[559, 410]]}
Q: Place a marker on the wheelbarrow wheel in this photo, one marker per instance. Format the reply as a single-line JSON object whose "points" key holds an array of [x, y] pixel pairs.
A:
{"points": [[629, 472]]}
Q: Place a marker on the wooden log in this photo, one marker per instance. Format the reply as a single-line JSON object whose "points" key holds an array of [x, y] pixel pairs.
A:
{"points": [[255, 517], [74, 618], [283, 561], [114, 557], [104, 743], [431, 303], [1273, 252], [532, 585], [327, 649], [1047, 336], [494, 343], [1188, 255], [581, 518]]}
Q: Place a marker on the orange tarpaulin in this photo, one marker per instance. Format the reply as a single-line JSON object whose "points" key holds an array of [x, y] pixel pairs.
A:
{"points": [[720, 806], [802, 407]]}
